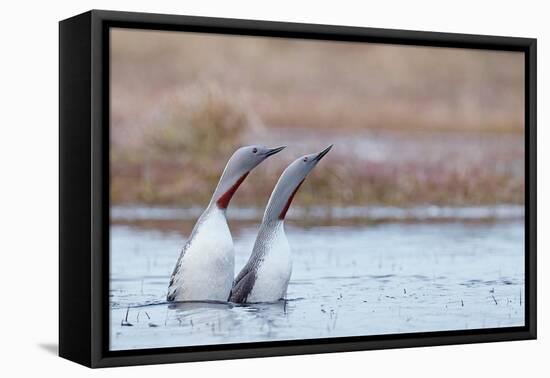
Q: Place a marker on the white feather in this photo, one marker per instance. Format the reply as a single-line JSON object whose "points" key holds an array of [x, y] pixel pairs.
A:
{"points": [[273, 272], [208, 265]]}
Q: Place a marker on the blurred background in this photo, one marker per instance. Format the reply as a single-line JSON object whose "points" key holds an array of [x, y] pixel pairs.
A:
{"points": [[411, 125], [413, 222]]}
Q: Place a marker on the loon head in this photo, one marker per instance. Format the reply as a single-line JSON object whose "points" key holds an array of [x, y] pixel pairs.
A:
{"points": [[289, 183], [244, 160]]}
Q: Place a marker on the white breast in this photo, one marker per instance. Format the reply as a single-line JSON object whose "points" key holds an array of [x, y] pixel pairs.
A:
{"points": [[274, 270], [208, 266]]}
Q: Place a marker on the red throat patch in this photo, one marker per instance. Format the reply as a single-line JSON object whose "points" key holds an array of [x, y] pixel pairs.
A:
{"points": [[223, 201], [283, 213]]}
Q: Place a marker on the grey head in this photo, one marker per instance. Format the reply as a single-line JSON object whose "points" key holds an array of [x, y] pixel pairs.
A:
{"points": [[289, 183], [244, 160]]}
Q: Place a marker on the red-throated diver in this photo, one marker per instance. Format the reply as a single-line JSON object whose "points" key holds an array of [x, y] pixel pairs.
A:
{"points": [[206, 265], [265, 276]]}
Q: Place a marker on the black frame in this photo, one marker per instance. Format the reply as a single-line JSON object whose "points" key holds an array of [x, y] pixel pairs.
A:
{"points": [[84, 188]]}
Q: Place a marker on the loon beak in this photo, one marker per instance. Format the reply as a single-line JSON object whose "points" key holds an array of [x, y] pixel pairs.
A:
{"points": [[323, 153], [273, 151]]}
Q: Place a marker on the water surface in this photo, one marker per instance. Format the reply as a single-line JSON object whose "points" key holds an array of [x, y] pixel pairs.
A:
{"points": [[347, 280]]}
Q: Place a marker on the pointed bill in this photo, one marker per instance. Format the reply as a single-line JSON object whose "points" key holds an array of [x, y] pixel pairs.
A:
{"points": [[323, 153]]}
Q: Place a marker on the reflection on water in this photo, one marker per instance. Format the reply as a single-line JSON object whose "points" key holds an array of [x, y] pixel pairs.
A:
{"points": [[347, 280]]}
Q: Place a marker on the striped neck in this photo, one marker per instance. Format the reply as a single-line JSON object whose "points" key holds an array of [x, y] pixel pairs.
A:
{"points": [[280, 201], [223, 198]]}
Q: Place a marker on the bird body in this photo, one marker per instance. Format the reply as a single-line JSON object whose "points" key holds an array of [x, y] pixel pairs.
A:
{"points": [[266, 275], [275, 268], [205, 267]]}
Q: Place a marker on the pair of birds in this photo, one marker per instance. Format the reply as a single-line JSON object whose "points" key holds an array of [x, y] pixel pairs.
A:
{"points": [[205, 268]]}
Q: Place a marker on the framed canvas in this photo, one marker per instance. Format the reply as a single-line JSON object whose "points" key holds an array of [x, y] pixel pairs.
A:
{"points": [[234, 188]]}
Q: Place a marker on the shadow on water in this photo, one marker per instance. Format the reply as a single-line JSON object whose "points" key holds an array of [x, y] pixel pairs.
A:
{"points": [[221, 319], [193, 306], [266, 307], [199, 305], [221, 315]]}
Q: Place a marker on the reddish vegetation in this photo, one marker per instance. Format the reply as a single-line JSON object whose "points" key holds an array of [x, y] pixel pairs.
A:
{"points": [[411, 125]]}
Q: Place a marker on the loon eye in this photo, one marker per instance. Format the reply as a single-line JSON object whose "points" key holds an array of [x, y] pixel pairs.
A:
{"points": [[305, 159], [254, 150]]}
